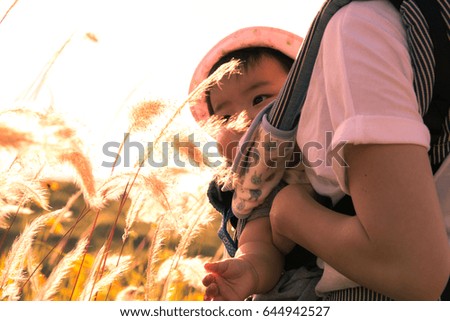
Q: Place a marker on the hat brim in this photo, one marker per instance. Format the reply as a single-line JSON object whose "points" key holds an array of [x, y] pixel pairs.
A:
{"points": [[278, 39]]}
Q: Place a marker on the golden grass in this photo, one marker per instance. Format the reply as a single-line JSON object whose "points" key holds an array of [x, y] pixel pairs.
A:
{"points": [[31, 271], [131, 236], [44, 264]]}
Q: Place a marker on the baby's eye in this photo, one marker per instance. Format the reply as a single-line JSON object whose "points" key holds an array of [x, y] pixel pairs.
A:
{"points": [[259, 99]]}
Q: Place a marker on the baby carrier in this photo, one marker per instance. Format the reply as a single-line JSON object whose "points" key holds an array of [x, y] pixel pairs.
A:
{"points": [[427, 28]]}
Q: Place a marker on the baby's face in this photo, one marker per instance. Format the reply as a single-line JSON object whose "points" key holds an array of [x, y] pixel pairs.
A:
{"points": [[251, 91]]}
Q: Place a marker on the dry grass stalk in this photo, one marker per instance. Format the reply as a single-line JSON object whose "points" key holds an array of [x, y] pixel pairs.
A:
{"points": [[164, 224], [33, 270], [33, 91], [60, 143], [93, 286], [66, 210], [130, 293], [84, 178], [194, 227], [137, 205], [189, 270], [53, 141], [12, 275], [60, 271], [226, 69], [142, 115], [112, 188], [191, 151], [35, 88], [8, 11], [89, 285], [6, 210], [152, 260], [19, 190]]}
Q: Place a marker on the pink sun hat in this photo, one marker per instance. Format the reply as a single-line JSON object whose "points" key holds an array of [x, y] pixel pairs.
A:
{"points": [[259, 36]]}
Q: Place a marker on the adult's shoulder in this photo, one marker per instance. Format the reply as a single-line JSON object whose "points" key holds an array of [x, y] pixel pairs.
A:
{"points": [[364, 16]]}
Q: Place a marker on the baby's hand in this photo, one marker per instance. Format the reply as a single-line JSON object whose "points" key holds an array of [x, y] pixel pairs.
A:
{"points": [[229, 280]]}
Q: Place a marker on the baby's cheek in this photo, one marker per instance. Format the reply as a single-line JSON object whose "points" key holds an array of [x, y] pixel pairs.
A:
{"points": [[227, 143]]}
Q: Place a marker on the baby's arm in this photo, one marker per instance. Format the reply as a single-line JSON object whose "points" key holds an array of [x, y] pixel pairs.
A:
{"points": [[256, 268]]}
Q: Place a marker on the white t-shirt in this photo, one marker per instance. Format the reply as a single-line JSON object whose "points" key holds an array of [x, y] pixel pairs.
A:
{"points": [[360, 92]]}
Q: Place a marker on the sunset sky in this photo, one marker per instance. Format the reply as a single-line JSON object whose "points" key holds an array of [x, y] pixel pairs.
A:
{"points": [[135, 49]]}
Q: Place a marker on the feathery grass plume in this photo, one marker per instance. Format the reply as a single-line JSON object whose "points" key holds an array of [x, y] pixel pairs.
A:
{"points": [[130, 293], [93, 286], [89, 284], [54, 141], [55, 279], [108, 278], [189, 270], [67, 212], [6, 210], [91, 36], [226, 69], [18, 190], [141, 116], [239, 123], [13, 139], [150, 198], [13, 272], [137, 205], [111, 261], [135, 181], [196, 224], [144, 113], [159, 186], [155, 183], [113, 187], [68, 148], [191, 151], [157, 241], [34, 269], [85, 177]]}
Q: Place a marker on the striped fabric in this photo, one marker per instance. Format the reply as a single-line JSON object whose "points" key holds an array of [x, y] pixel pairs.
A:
{"points": [[421, 51], [356, 294], [285, 113]]}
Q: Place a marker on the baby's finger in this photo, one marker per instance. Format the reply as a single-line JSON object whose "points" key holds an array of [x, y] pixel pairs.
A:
{"points": [[208, 279], [217, 267], [212, 291]]}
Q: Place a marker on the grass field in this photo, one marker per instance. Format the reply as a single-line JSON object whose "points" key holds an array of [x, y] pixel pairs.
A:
{"points": [[142, 232]]}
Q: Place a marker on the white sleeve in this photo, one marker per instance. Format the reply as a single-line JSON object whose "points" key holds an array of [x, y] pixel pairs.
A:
{"points": [[368, 80]]}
